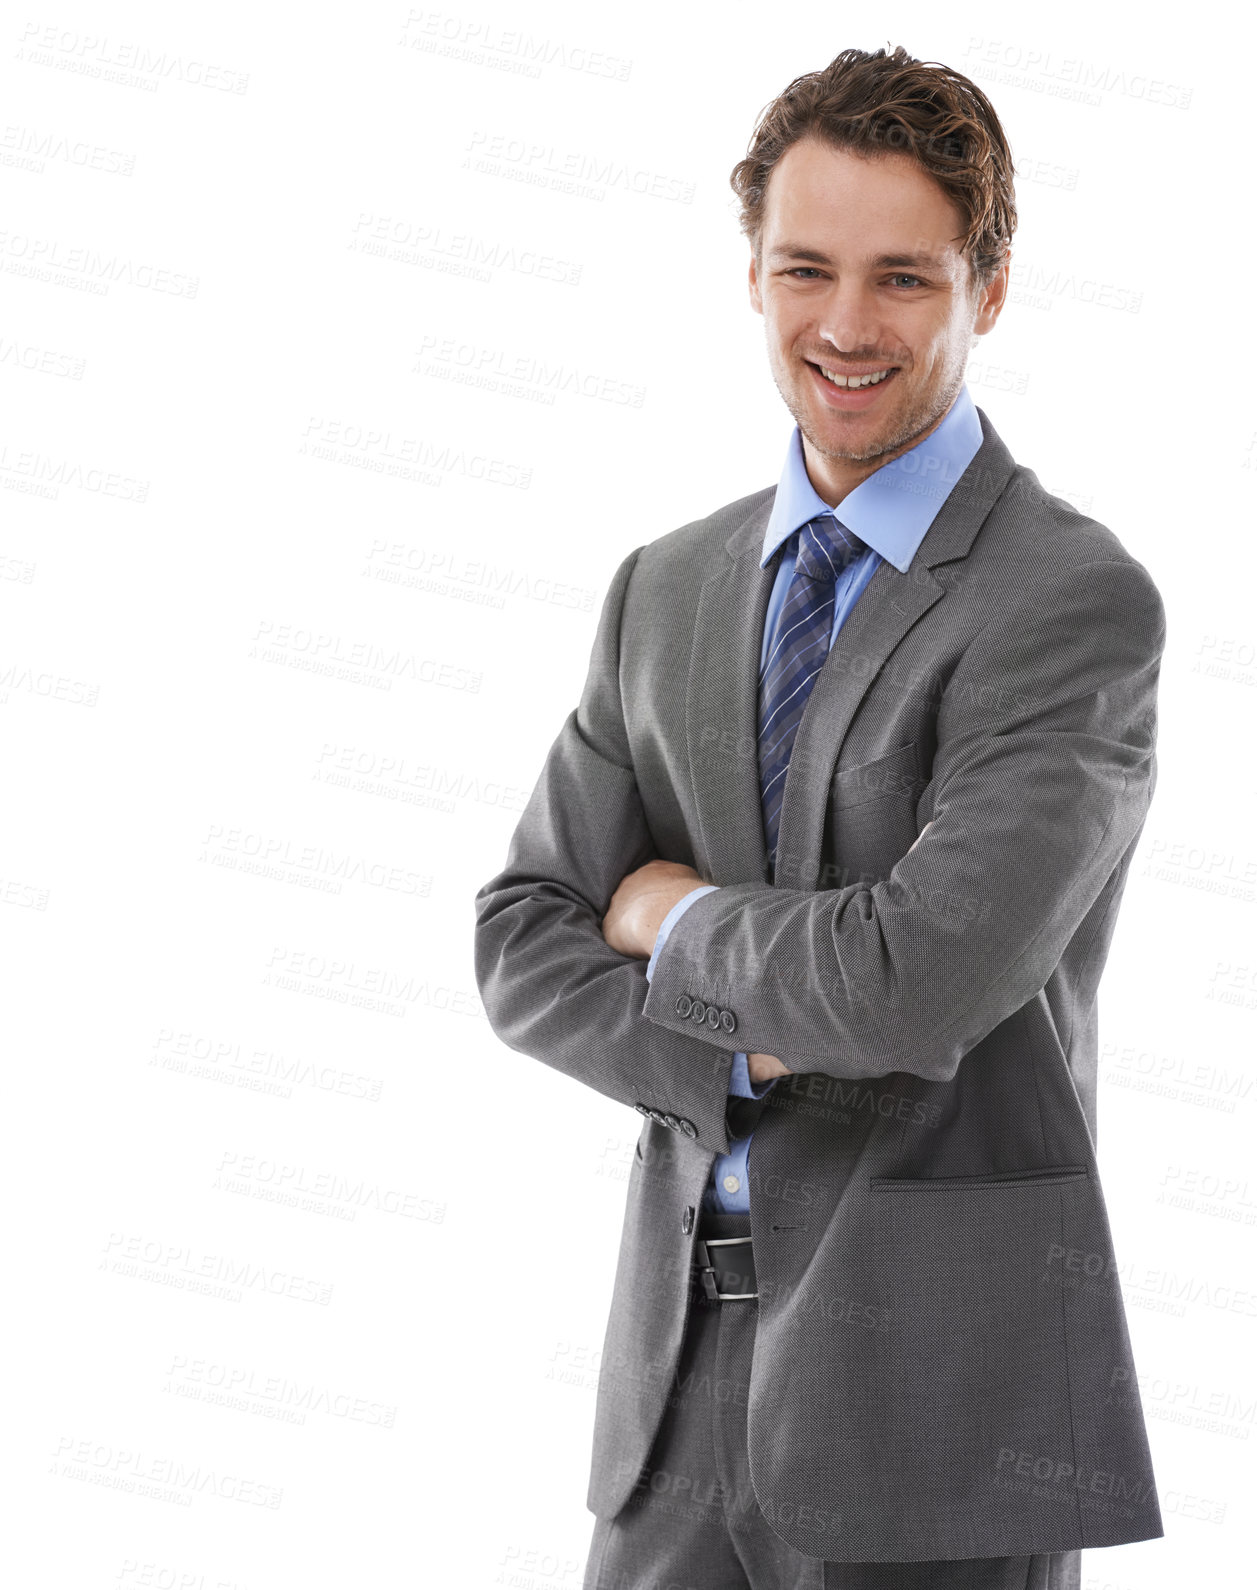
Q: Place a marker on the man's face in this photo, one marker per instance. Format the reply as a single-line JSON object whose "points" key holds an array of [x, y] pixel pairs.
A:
{"points": [[860, 271]]}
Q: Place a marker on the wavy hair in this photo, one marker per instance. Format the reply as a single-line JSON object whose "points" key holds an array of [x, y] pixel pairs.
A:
{"points": [[877, 103]]}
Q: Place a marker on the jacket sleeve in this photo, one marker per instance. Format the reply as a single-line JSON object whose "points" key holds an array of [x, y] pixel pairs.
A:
{"points": [[1042, 775], [552, 987]]}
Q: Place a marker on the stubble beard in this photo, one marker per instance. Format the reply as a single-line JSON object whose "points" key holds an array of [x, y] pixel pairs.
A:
{"points": [[919, 418]]}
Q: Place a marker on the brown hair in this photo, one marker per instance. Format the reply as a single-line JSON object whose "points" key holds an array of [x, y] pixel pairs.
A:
{"points": [[878, 103]]}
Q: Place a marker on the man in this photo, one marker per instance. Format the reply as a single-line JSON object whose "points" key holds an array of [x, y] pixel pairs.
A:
{"points": [[855, 782]]}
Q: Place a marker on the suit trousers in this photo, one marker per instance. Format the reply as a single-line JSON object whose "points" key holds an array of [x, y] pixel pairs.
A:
{"points": [[693, 1521]]}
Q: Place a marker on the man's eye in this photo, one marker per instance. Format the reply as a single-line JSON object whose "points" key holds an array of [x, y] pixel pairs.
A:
{"points": [[810, 272]]}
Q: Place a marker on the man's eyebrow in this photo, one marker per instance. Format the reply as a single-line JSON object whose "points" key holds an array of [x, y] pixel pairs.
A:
{"points": [[797, 251]]}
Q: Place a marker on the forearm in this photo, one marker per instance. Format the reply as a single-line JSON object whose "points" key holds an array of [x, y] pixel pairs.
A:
{"points": [[1042, 778], [551, 985], [857, 983]]}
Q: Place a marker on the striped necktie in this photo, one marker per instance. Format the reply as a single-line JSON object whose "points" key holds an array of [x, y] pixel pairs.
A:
{"points": [[799, 649]]}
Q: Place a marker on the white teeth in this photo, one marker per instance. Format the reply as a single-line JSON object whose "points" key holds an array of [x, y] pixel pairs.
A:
{"points": [[853, 381]]}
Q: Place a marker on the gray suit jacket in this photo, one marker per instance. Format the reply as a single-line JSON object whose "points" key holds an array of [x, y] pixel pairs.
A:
{"points": [[942, 1367]]}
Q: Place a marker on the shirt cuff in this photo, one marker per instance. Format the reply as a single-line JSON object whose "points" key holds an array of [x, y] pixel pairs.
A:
{"points": [[670, 921]]}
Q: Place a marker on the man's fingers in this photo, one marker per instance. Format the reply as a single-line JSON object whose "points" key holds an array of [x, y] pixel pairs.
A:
{"points": [[764, 1067]]}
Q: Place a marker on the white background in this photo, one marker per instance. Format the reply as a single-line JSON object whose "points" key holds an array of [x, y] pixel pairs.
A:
{"points": [[292, 612]]}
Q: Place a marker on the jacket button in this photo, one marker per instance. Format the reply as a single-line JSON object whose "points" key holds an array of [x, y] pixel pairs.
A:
{"points": [[657, 1115], [689, 1128], [684, 1005], [642, 1109], [698, 1011], [713, 1017], [728, 1021], [671, 1120], [687, 1220]]}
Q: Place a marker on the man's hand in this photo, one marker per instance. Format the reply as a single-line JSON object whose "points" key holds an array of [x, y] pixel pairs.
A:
{"points": [[635, 914], [764, 1067], [640, 903]]}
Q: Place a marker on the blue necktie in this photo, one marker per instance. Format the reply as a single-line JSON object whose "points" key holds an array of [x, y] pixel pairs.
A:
{"points": [[798, 654]]}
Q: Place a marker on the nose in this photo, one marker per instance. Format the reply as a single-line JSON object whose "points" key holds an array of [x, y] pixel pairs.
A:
{"points": [[848, 319]]}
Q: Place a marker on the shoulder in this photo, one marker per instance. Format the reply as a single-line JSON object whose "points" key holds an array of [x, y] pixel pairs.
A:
{"points": [[1035, 546], [688, 553], [662, 578]]}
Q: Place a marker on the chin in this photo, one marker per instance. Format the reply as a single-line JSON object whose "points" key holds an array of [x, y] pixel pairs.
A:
{"points": [[861, 436]]}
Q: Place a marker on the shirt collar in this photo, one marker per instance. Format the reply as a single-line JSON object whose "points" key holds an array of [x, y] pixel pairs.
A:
{"points": [[893, 508]]}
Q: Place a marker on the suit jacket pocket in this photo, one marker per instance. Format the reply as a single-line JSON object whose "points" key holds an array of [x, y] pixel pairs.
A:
{"points": [[871, 821], [1041, 1176], [892, 774], [981, 1353]]}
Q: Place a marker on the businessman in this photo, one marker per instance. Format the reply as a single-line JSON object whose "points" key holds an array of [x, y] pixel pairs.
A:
{"points": [[820, 877]]}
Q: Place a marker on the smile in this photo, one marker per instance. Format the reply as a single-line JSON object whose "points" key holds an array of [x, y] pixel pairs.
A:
{"points": [[852, 392], [850, 382]]}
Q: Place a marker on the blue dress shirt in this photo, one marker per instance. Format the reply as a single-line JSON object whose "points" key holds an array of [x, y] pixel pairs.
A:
{"points": [[890, 511]]}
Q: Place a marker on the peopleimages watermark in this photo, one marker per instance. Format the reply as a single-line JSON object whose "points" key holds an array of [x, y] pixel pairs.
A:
{"points": [[311, 865], [402, 779], [296, 1398], [29, 356], [47, 474], [165, 1478], [358, 661], [319, 1190], [133, 64], [532, 377], [1060, 1480], [407, 457], [569, 170], [1067, 77], [217, 1275], [257, 1069], [30, 149], [462, 254], [53, 687], [448, 571], [48, 258], [524, 54]]}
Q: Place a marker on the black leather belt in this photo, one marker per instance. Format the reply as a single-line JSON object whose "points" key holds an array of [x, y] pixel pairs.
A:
{"points": [[726, 1269]]}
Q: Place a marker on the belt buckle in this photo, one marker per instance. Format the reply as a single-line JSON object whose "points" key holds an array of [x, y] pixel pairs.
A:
{"points": [[708, 1273]]}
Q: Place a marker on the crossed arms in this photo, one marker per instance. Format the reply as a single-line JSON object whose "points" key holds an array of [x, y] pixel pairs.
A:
{"points": [[1041, 780]]}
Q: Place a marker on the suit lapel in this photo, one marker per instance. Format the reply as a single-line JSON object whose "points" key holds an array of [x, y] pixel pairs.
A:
{"points": [[886, 609], [722, 699], [722, 705]]}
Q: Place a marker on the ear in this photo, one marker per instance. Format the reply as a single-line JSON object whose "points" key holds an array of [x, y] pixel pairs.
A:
{"points": [[757, 303], [991, 300]]}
